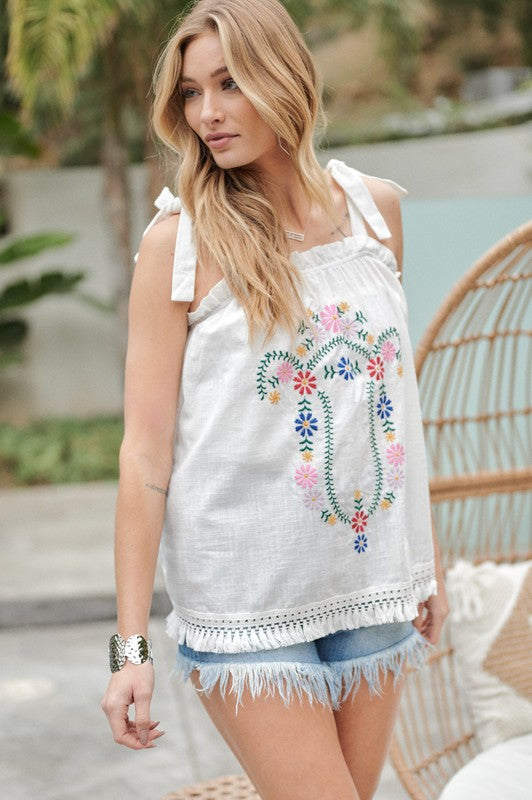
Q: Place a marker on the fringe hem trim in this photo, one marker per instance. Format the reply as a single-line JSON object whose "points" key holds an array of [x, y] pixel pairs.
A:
{"points": [[330, 683], [210, 636]]}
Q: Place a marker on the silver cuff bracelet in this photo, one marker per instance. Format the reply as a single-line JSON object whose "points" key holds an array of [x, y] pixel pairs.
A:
{"points": [[135, 649]]}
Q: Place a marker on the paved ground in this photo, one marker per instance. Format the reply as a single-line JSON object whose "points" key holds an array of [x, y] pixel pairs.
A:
{"points": [[56, 556]]}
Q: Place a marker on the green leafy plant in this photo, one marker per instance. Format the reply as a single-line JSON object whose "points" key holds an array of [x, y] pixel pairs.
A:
{"points": [[60, 451], [23, 292]]}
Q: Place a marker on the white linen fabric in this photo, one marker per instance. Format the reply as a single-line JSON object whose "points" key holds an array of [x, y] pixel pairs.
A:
{"points": [[298, 503], [491, 633], [502, 771]]}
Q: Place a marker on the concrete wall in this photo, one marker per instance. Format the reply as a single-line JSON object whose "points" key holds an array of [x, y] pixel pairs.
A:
{"points": [[74, 355]]}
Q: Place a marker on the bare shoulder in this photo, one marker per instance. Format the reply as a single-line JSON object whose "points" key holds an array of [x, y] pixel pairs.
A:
{"points": [[388, 202], [151, 287], [159, 241]]}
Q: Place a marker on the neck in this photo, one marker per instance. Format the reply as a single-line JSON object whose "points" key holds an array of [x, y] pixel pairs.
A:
{"points": [[286, 193]]}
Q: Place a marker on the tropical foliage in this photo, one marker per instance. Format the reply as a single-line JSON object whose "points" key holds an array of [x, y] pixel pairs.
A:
{"points": [[22, 292]]}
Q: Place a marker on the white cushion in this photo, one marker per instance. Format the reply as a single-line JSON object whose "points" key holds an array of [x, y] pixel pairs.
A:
{"points": [[491, 631], [503, 772]]}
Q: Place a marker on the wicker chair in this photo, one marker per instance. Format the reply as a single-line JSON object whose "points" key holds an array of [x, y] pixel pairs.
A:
{"points": [[475, 394], [228, 787]]}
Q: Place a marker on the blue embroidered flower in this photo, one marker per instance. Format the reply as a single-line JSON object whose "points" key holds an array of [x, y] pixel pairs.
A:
{"points": [[384, 407], [361, 543], [306, 424], [345, 368]]}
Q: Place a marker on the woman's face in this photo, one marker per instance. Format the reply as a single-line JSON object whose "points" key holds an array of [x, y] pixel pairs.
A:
{"points": [[219, 113]]}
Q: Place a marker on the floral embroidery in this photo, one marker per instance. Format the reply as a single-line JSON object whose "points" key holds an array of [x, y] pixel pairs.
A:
{"points": [[336, 347], [384, 407], [306, 476], [313, 498], [330, 318], [395, 454], [285, 372], [306, 424], [359, 521], [395, 478], [304, 382], [345, 368], [376, 368], [350, 327], [388, 350]]}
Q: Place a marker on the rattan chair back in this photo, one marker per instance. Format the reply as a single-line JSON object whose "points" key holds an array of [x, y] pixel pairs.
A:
{"points": [[473, 365]]}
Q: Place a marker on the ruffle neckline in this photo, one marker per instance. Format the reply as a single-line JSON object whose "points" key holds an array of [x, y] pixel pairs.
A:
{"points": [[319, 256]]}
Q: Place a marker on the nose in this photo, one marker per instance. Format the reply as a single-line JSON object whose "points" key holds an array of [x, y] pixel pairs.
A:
{"points": [[211, 109]]}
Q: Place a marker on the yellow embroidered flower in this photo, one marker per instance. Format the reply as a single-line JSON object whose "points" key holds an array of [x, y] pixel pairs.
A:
{"points": [[390, 436], [332, 520], [370, 339], [343, 306], [301, 350], [385, 504], [274, 397], [357, 495], [309, 311], [307, 456], [400, 370]]}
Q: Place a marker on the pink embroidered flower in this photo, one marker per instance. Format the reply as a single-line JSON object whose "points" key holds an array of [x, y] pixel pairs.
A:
{"points": [[395, 478], [304, 382], [306, 476], [359, 521], [313, 498], [318, 334], [350, 327], [395, 454], [330, 318], [376, 368], [388, 350], [284, 372]]}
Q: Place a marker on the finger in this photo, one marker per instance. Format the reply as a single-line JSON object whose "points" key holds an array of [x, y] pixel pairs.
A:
{"points": [[142, 716]]}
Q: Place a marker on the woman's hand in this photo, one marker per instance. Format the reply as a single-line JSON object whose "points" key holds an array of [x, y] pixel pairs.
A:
{"points": [[132, 684], [432, 614]]}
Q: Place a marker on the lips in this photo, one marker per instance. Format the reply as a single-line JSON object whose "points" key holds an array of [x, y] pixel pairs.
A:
{"points": [[215, 136]]}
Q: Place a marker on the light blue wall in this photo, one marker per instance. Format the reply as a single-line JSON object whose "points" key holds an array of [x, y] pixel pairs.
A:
{"points": [[443, 237]]}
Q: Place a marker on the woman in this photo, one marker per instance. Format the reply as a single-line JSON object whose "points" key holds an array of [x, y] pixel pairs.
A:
{"points": [[272, 422]]}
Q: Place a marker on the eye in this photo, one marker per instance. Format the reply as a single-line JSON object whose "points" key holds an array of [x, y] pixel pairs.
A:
{"points": [[187, 93], [230, 84]]}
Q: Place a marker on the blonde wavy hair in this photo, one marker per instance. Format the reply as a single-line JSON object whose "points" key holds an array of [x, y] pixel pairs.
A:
{"points": [[236, 224]]}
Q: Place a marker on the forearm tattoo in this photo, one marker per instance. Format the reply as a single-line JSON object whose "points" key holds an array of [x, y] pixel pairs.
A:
{"points": [[155, 488]]}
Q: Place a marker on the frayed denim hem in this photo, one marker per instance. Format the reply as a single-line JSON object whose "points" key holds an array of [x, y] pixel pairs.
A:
{"points": [[413, 649], [285, 677], [329, 683]]}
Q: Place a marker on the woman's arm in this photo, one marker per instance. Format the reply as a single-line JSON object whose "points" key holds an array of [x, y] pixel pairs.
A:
{"points": [[156, 343]]}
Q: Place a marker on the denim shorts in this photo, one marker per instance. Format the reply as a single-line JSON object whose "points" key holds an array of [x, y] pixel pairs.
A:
{"points": [[328, 669]]}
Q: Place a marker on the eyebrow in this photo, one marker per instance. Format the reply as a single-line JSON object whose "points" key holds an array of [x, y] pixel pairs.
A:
{"points": [[214, 74]]}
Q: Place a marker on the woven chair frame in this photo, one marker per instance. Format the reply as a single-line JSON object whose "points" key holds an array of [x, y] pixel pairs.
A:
{"points": [[228, 787], [473, 366]]}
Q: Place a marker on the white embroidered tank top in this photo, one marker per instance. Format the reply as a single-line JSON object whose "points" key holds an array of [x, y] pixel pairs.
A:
{"points": [[298, 503]]}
